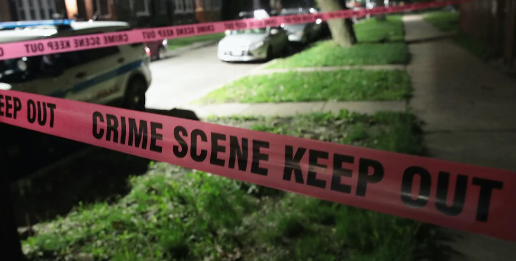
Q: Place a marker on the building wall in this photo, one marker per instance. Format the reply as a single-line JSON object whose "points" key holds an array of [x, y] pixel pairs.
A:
{"points": [[160, 13], [5, 11]]}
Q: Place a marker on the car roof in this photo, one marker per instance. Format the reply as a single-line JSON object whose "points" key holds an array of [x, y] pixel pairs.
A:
{"points": [[35, 32]]}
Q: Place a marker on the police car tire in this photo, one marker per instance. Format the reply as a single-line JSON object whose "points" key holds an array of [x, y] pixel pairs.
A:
{"points": [[135, 95]]}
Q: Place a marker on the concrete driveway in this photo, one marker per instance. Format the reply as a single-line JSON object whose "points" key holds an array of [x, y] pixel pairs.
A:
{"points": [[191, 75]]}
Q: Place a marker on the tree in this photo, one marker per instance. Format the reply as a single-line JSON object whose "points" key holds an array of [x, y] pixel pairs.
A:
{"points": [[380, 3], [342, 30]]}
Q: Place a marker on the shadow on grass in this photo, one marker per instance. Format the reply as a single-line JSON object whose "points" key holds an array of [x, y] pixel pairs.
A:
{"points": [[60, 183]]}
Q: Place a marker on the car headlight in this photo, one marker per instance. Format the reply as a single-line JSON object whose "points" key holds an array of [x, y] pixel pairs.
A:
{"points": [[256, 45], [165, 42]]}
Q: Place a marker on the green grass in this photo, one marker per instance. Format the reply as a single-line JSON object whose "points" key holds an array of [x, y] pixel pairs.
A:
{"points": [[444, 21], [371, 30], [378, 43], [328, 53], [199, 216], [344, 85], [182, 42]]}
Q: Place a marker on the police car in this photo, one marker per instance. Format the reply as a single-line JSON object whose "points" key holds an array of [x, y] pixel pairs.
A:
{"points": [[117, 75]]}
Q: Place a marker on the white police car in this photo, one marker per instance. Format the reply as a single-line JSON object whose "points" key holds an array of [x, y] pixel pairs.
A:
{"points": [[117, 75]]}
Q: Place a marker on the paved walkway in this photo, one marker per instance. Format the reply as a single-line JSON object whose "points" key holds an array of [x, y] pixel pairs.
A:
{"points": [[421, 32], [291, 108], [469, 110], [329, 69]]}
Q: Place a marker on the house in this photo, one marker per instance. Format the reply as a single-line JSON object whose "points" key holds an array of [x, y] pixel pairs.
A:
{"points": [[139, 13], [19, 10]]}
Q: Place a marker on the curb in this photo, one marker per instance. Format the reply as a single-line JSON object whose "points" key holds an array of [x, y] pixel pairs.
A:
{"points": [[175, 52]]}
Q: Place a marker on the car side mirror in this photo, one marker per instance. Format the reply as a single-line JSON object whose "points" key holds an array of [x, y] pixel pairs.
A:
{"points": [[274, 31]]}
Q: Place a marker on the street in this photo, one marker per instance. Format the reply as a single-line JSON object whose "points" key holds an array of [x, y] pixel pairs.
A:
{"points": [[181, 79]]}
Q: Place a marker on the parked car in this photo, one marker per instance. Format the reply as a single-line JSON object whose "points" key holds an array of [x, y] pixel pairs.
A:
{"points": [[302, 33], [158, 49], [116, 75], [253, 44]]}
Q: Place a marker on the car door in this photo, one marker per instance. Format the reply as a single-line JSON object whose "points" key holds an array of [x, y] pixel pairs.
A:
{"points": [[95, 73]]}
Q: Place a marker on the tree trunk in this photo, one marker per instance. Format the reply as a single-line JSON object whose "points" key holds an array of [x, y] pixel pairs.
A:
{"points": [[380, 17], [342, 30], [10, 247]]}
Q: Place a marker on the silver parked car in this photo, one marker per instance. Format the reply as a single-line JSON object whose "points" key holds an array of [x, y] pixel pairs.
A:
{"points": [[253, 44], [302, 33]]}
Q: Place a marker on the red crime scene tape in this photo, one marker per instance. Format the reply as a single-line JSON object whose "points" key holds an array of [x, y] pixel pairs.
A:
{"points": [[460, 196], [84, 42]]}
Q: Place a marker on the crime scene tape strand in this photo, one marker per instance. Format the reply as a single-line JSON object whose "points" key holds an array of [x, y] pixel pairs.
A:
{"points": [[460, 196], [84, 42]]}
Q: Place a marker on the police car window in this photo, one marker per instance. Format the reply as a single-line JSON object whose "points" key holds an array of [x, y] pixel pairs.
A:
{"points": [[95, 54], [82, 57]]}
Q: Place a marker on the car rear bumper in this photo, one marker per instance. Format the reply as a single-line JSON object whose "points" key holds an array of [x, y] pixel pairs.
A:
{"points": [[247, 56]]}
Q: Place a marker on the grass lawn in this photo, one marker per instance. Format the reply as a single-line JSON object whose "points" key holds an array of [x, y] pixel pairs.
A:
{"points": [[444, 21], [328, 53], [182, 42], [344, 85], [199, 216], [371, 30], [377, 44]]}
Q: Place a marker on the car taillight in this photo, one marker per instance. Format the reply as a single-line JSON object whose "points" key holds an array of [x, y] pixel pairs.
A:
{"points": [[147, 51]]}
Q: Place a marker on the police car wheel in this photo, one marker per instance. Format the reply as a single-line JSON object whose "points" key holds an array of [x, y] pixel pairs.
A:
{"points": [[135, 95]]}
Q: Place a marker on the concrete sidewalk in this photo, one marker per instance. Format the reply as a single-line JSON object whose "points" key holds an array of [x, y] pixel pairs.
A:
{"points": [[469, 110], [292, 108]]}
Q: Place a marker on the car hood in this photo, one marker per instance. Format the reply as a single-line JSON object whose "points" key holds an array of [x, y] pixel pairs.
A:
{"points": [[242, 39]]}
